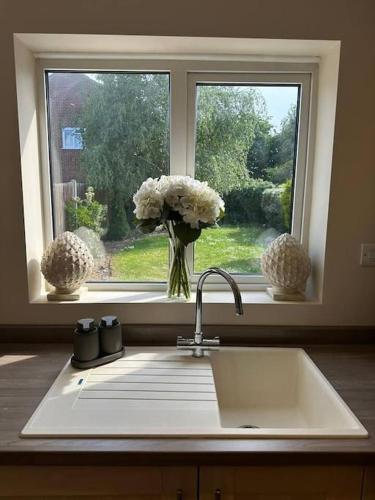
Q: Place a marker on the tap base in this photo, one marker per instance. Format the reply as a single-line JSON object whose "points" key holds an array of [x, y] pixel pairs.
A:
{"points": [[198, 348]]}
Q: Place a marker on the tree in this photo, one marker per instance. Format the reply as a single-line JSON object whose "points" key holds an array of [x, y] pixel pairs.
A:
{"points": [[286, 203], [125, 130], [258, 155], [280, 173], [271, 155], [288, 136], [282, 144], [226, 123]]}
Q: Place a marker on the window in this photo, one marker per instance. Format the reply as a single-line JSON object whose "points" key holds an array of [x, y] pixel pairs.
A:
{"points": [[245, 147], [71, 138], [123, 134], [244, 132]]}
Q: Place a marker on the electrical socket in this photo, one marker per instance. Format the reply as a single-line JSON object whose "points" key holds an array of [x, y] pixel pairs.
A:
{"points": [[367, 254]]}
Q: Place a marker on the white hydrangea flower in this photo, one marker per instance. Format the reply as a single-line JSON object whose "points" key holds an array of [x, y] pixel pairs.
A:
{"points": [[194, 200], [173, 187], [148, 200], [201, 204]]}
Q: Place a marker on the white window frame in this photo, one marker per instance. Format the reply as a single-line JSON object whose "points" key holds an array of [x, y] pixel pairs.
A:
{"points": [[303, 80], [184, 74]]}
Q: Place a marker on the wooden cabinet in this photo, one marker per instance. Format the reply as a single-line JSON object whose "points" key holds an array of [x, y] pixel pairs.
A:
{"points": [[181, 483], [104, 483], [369, 484], [280, 483]]}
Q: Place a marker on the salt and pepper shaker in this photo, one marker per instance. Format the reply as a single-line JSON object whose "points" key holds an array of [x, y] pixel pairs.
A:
{"points": [[110, 335], [86, 340]]}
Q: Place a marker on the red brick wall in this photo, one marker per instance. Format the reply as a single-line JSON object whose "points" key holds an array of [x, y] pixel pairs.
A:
{"points": [[67, 93]]}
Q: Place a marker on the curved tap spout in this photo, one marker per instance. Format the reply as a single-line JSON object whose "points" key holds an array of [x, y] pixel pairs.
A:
{"points": [[199, 302], [198, 344]]}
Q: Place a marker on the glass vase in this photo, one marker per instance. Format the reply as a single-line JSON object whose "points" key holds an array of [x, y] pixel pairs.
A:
{"points": [[178, 276]]}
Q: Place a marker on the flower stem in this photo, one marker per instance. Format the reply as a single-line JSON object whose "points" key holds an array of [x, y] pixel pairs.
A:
{"points": [[178, 281]]}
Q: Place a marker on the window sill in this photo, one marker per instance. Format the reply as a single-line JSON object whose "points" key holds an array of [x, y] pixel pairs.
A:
{"points": [[155, 297]]}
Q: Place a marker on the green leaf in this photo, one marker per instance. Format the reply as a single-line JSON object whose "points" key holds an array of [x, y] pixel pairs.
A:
{"points": [[174, 215], [185, 233], [164, 213], [148, 226], [205, 225]]}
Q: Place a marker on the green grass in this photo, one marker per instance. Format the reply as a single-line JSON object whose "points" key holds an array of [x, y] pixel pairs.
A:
{"points": [[145, 260], [235, 249]]}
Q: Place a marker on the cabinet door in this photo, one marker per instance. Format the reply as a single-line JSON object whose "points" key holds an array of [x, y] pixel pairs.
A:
{"points": [[104, 483], [280, 483], [369, 484]]}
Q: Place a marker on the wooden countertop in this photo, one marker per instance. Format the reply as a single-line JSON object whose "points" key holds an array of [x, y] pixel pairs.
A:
{"points": [[28, 370]]}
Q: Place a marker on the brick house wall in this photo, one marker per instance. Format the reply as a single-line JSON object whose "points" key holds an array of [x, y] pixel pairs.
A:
{"points": [[67, 93]]}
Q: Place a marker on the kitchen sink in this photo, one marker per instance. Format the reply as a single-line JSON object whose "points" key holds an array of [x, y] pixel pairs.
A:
{"points": [[231, 392], [279, 392]]}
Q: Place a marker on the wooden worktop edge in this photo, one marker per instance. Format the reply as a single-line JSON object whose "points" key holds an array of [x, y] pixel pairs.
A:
{"points": [[175, 456], [162, 335]]}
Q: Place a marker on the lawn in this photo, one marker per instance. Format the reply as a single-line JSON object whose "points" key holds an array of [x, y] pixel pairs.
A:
{"points": [[235, 249]]}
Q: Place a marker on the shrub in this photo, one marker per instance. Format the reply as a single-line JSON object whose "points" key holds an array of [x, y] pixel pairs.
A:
{"points": [[280, 173], [272, 208], [93, 242], [244, 205], [119, 227], [286, 202], [86, 213]]}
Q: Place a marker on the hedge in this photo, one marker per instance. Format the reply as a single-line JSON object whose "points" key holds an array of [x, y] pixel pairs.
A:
{"points": [[244, 205], [259, 202]]}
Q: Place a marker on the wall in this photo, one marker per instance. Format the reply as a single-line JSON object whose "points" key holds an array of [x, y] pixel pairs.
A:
{"points": [[349, 289]]}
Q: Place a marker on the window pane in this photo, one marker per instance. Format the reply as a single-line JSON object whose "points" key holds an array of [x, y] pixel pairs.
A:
{"points": [[108, 132], [71, 138], [245, 149]]}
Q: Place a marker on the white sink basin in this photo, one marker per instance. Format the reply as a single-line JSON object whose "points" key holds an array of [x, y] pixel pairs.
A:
{"points": [[163, 392], [281, 392]]}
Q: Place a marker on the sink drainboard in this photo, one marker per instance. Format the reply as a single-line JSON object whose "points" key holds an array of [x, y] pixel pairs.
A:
{"points": [[149, 393], [151, 380]]}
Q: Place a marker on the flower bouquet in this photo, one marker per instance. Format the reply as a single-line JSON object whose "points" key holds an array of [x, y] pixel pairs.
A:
{"points": [[184, 206]]}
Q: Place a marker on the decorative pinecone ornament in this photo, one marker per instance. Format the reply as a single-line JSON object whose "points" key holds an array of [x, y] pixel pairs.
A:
{"points": [[287, 266], [66, 264]]}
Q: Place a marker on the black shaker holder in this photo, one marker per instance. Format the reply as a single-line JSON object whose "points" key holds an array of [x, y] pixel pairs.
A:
{"points": [[101, 360]]}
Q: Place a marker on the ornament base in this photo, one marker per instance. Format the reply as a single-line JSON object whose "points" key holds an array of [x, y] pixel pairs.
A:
{"points": [[285, 296], [66, 297]]}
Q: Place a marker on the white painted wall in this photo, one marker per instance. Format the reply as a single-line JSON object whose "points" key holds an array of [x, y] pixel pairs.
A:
{"points": [[349, 291]]}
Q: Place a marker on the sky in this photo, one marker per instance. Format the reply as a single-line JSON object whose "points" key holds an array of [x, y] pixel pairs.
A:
{"points": [[278, 101]]}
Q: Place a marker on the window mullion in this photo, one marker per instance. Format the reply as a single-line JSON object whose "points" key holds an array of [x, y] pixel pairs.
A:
{"points": [[178, 121], [179, 132]]}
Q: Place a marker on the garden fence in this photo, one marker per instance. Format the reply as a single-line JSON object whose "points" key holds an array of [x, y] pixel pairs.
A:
{"points": [[63, 192]]}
